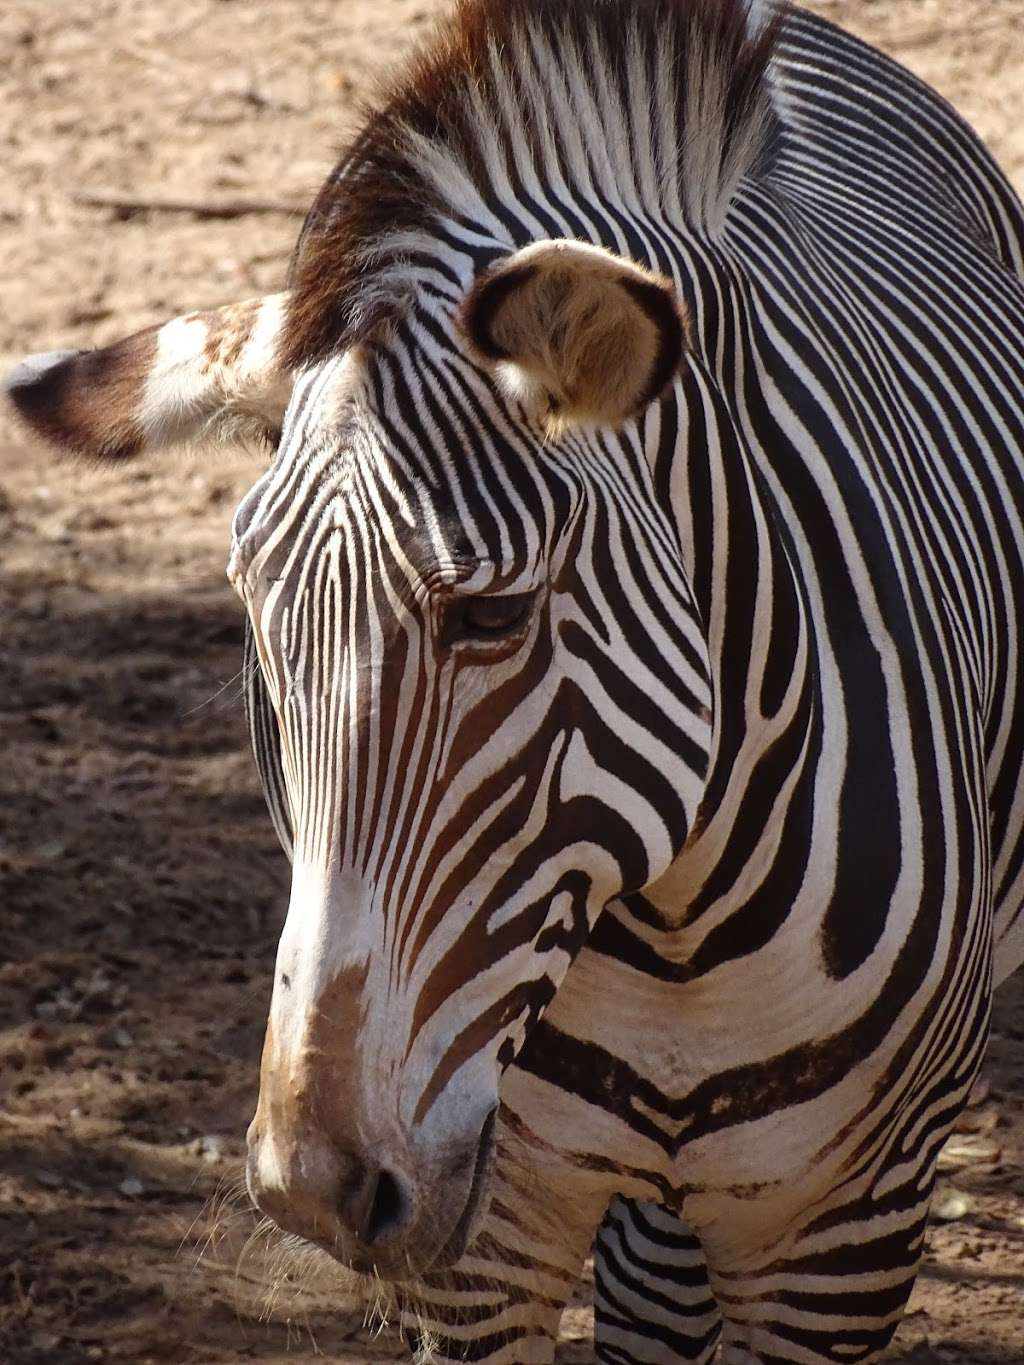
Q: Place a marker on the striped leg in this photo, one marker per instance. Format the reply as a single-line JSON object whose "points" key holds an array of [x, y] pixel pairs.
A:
{"points": [[502, 1303], [829, 1286], [832, 1292], [652, 1300]]}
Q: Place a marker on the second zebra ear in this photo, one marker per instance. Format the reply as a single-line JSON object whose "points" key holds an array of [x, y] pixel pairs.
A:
{"points": [[579, 335], [212, 376]]}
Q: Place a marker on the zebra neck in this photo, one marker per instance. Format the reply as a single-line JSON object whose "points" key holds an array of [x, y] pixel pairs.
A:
{"points": [[750, 597]]}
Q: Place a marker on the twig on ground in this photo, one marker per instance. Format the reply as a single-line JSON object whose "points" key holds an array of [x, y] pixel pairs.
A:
{"points": [[127, 205]]}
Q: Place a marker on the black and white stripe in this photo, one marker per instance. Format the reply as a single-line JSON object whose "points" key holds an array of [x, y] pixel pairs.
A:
{"points": [[718, 866]]}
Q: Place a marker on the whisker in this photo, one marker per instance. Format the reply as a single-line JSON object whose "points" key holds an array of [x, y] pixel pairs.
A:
{"points": [[241, 674]]}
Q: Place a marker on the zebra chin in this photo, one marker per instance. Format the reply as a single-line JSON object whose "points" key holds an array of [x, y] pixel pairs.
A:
{"points": [[363, 1211]]}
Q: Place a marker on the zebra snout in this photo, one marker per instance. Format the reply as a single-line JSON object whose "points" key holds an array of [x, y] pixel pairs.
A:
{"points": [[345, 1202], [361, 1208]]}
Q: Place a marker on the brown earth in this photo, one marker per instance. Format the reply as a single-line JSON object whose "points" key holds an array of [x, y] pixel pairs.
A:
{"points": [[141, 885]]}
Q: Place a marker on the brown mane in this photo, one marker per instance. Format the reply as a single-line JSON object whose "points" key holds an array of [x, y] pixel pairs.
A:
{"points": [[379, 191]]}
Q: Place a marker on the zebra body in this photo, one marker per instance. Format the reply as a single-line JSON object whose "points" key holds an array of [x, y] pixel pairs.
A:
{"points": [[636, 591]]}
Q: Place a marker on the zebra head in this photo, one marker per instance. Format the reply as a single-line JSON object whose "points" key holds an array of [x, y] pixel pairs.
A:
{"points": [[483, 704], [483, 694], [490, 708]]}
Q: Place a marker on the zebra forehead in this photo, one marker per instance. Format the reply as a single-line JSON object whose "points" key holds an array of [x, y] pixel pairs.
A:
{"points": [[545, 88], [346, 498], [394, 416]]}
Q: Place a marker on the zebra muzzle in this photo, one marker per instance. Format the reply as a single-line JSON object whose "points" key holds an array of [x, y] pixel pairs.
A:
{"points": [[361, 1209]]}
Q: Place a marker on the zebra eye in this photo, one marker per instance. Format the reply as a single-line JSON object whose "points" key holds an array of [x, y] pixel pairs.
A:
{"points": [[486, 618]]}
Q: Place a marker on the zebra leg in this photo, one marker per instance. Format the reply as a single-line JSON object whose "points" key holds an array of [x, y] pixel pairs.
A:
{"points": [[502, 1302], [652, 1300], [829, 1290]]}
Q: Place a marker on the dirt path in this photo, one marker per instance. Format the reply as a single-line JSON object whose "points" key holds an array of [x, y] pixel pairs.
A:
{"points": [[139, 881]]}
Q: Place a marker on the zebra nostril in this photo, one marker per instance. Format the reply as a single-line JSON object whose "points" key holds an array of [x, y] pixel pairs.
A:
{"points": [[376, 1209], [387, 1212]]}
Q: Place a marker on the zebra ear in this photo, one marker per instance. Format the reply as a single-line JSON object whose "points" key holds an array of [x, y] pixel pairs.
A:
{"points": [[204, 376], [576, 333]]}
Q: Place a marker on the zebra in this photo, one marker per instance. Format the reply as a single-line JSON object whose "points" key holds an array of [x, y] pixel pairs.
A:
{"points": [[633, 599]]}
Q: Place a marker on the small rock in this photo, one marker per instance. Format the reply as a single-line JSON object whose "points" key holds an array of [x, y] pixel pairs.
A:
{"points": [[98, 983], [981, 1120], [211, 1147], [88, 518], [63, 1004], [131, 1188], [50, 1179], [36, 606], [122, 1037], [951, 1206], [969, 1150]]}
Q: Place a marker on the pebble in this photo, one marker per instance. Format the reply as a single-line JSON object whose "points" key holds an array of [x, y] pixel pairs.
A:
{"points": [[211, 1147], [89, 518], [969, 1150], [950, 1207], [131, 1187], [983, 1120], [36, 606]]}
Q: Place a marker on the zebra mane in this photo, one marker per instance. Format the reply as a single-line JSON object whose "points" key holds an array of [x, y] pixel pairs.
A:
{"points": [[660, 107]]}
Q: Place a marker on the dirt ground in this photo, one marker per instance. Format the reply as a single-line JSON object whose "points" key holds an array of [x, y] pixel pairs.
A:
{"points": [[140, 884]]}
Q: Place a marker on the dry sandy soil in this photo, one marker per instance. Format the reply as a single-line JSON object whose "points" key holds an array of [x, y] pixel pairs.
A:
{"points": [[141, 885]]}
